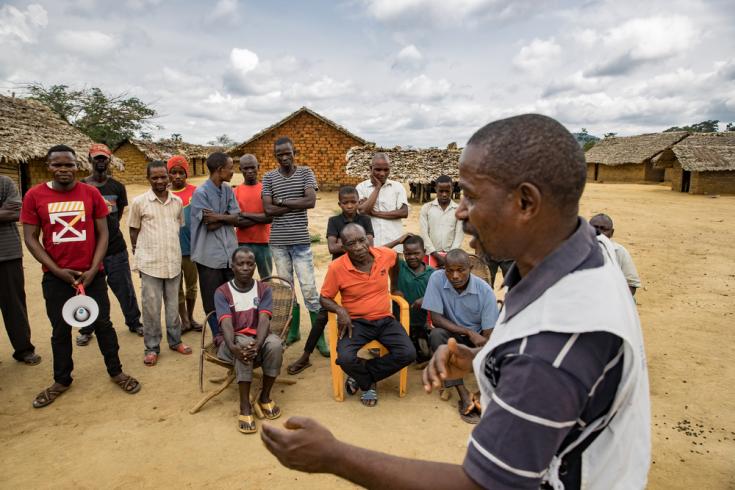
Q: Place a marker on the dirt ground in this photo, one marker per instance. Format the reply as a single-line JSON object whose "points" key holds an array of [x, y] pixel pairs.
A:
{"points": [[95, 436]]}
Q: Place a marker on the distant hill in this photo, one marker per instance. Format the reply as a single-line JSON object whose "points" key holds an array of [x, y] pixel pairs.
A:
{"points": [[585, 139]]}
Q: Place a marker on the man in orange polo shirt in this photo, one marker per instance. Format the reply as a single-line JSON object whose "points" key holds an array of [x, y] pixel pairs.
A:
{"points": [[362, 278]]}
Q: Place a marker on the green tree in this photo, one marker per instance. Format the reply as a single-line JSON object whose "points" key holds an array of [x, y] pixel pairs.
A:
{"points": [[609, 135], [709, 126], [222, 140], [730, 127], [107, 119]]}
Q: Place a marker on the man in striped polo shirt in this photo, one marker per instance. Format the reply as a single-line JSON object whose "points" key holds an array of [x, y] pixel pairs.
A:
{"points": [[288, 192], [563, 377]]}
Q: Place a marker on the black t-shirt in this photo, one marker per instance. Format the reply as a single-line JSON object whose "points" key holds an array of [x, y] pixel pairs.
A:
{"points": [[336, 223], [116, 198]]}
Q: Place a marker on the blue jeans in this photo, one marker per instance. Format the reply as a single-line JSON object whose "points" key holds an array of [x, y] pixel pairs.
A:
{"points": [[298, 258], [117, 269]]}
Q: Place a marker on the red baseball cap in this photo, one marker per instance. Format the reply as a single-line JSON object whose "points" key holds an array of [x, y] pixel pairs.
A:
{"points": [[98, 149], [178, 161]]}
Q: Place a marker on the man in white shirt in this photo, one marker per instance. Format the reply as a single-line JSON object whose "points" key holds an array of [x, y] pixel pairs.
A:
{"points": [[604, 225], [385, 201], [440, 229]]}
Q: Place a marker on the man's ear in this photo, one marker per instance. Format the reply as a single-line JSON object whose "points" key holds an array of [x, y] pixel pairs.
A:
{"points": [[528, 200]]}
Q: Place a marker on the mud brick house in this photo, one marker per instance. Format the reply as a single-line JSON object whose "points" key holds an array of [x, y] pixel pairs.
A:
{"points": [[27, 130], [321, 145], [417, 167], [703, 163], [629, 158], [137, 153]]}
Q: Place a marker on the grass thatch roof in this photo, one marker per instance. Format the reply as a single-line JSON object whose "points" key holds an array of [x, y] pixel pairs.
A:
{"points": [[632, 149], [421, 166], [165, 149], [240, 149], [707, 152], [28, 129]]}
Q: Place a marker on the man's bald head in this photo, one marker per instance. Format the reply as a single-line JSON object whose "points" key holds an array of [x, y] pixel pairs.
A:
{"points": [[536, 149], [603, 224], [248, 158], [381, 157], [457, 256], [351, 231]]}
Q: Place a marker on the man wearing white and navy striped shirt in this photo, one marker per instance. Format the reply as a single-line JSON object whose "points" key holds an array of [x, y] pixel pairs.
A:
{"points": [[563, 378]]}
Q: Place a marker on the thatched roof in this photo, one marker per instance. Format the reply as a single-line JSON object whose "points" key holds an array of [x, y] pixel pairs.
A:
{"points": [[239, 149], [421, 166], [28, 129], [165, 149], [632, 149], [707, 151]]}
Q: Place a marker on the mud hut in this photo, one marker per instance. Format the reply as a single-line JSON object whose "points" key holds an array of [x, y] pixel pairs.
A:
{"points": [[703, 163], [629, 158], [321, 144], [137, 153], [27, 130], [417, 167]]}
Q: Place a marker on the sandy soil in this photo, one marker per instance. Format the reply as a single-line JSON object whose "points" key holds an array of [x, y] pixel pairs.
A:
{"points": [[96, 436]]}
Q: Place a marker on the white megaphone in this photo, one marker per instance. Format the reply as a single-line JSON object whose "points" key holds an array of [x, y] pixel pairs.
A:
{"points": [[80, 310]]}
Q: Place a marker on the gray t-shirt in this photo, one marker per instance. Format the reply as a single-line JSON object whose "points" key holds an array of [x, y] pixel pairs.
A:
{"points": [[9, 237]]}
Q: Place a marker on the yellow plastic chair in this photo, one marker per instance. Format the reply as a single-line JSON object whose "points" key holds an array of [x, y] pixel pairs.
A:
{"points": [[338, 377]]}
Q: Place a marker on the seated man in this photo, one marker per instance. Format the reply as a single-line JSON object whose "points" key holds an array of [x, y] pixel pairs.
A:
{"points": [[603, 224], [413, 277], [462, 307], [243, 308], [361, 277]]}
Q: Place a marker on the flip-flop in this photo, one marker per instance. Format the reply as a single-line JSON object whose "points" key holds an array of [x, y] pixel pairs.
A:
{"points": [[47, 397], [30, 358], [128, 384], [292, 371], [182, 348], [468, 414], [248, 419], [83, 339], [351, 386], [268, 410], [368, 396]]}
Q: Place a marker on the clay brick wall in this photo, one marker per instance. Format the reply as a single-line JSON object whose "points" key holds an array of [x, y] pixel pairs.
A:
{"points": [[721, 182], [668, 171], [653, 174], [135, 165], [590, 172], [621, 173], [319, 145]]}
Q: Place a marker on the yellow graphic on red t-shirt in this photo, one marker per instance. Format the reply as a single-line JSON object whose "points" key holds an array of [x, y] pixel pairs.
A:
{"points": [[64, 216]]}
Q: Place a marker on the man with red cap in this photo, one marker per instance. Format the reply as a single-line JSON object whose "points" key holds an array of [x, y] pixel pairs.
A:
{"points": [[116, 263], [178, 172]]}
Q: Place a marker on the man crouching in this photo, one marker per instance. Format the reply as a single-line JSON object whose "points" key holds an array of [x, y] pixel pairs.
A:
{"points": [[243, 308]]}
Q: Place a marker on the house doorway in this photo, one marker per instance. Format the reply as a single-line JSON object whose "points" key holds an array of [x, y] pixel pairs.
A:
{"points": [[686, 177], [25, 177]]}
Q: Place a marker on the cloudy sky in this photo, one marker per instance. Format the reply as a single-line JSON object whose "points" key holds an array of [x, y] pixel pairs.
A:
{"points": [[408, 72]]}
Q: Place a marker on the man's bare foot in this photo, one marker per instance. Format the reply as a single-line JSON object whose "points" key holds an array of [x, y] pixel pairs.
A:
{"points": [[47, 396]]}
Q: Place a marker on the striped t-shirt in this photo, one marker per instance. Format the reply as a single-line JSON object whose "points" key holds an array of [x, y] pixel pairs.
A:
{"points": [[291, 228], [9, 236]]}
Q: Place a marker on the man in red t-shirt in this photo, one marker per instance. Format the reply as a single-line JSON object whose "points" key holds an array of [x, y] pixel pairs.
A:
{"points": [[178, 172], [253, 226], [70, 216]]}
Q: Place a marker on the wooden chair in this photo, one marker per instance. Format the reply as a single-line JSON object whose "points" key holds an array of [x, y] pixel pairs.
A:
{"points": [[338, 378], [283, 301]]}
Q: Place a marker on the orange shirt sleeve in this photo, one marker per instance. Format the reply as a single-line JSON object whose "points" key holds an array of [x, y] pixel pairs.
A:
{"points": [[330, 286]]}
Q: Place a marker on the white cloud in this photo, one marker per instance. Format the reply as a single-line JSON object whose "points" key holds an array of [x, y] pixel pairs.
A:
{"points": [[19, 25], [443, 12], [224, 10], [409, 58], [539, 54], [422, 87], [323, 88], [243, 60], [87, 43]]}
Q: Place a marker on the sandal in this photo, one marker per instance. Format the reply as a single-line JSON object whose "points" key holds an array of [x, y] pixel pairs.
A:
{"points": [[369, 398], [268, 410], [150, 359], [30, 358], [296, 368], [469, 413], [47, 397], [351, 386], [182, 348], [246, 424], [83, 339], [128, 384], [137, 330]]}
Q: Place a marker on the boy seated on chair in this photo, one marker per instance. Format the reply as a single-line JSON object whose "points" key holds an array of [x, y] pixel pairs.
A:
{"points": [[361, 277], [462, 307], [413, 277], [243, 307]]}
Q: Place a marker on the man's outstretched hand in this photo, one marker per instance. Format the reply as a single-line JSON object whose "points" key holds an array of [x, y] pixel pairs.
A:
{"points": [[450, 361], [303, 445]]}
